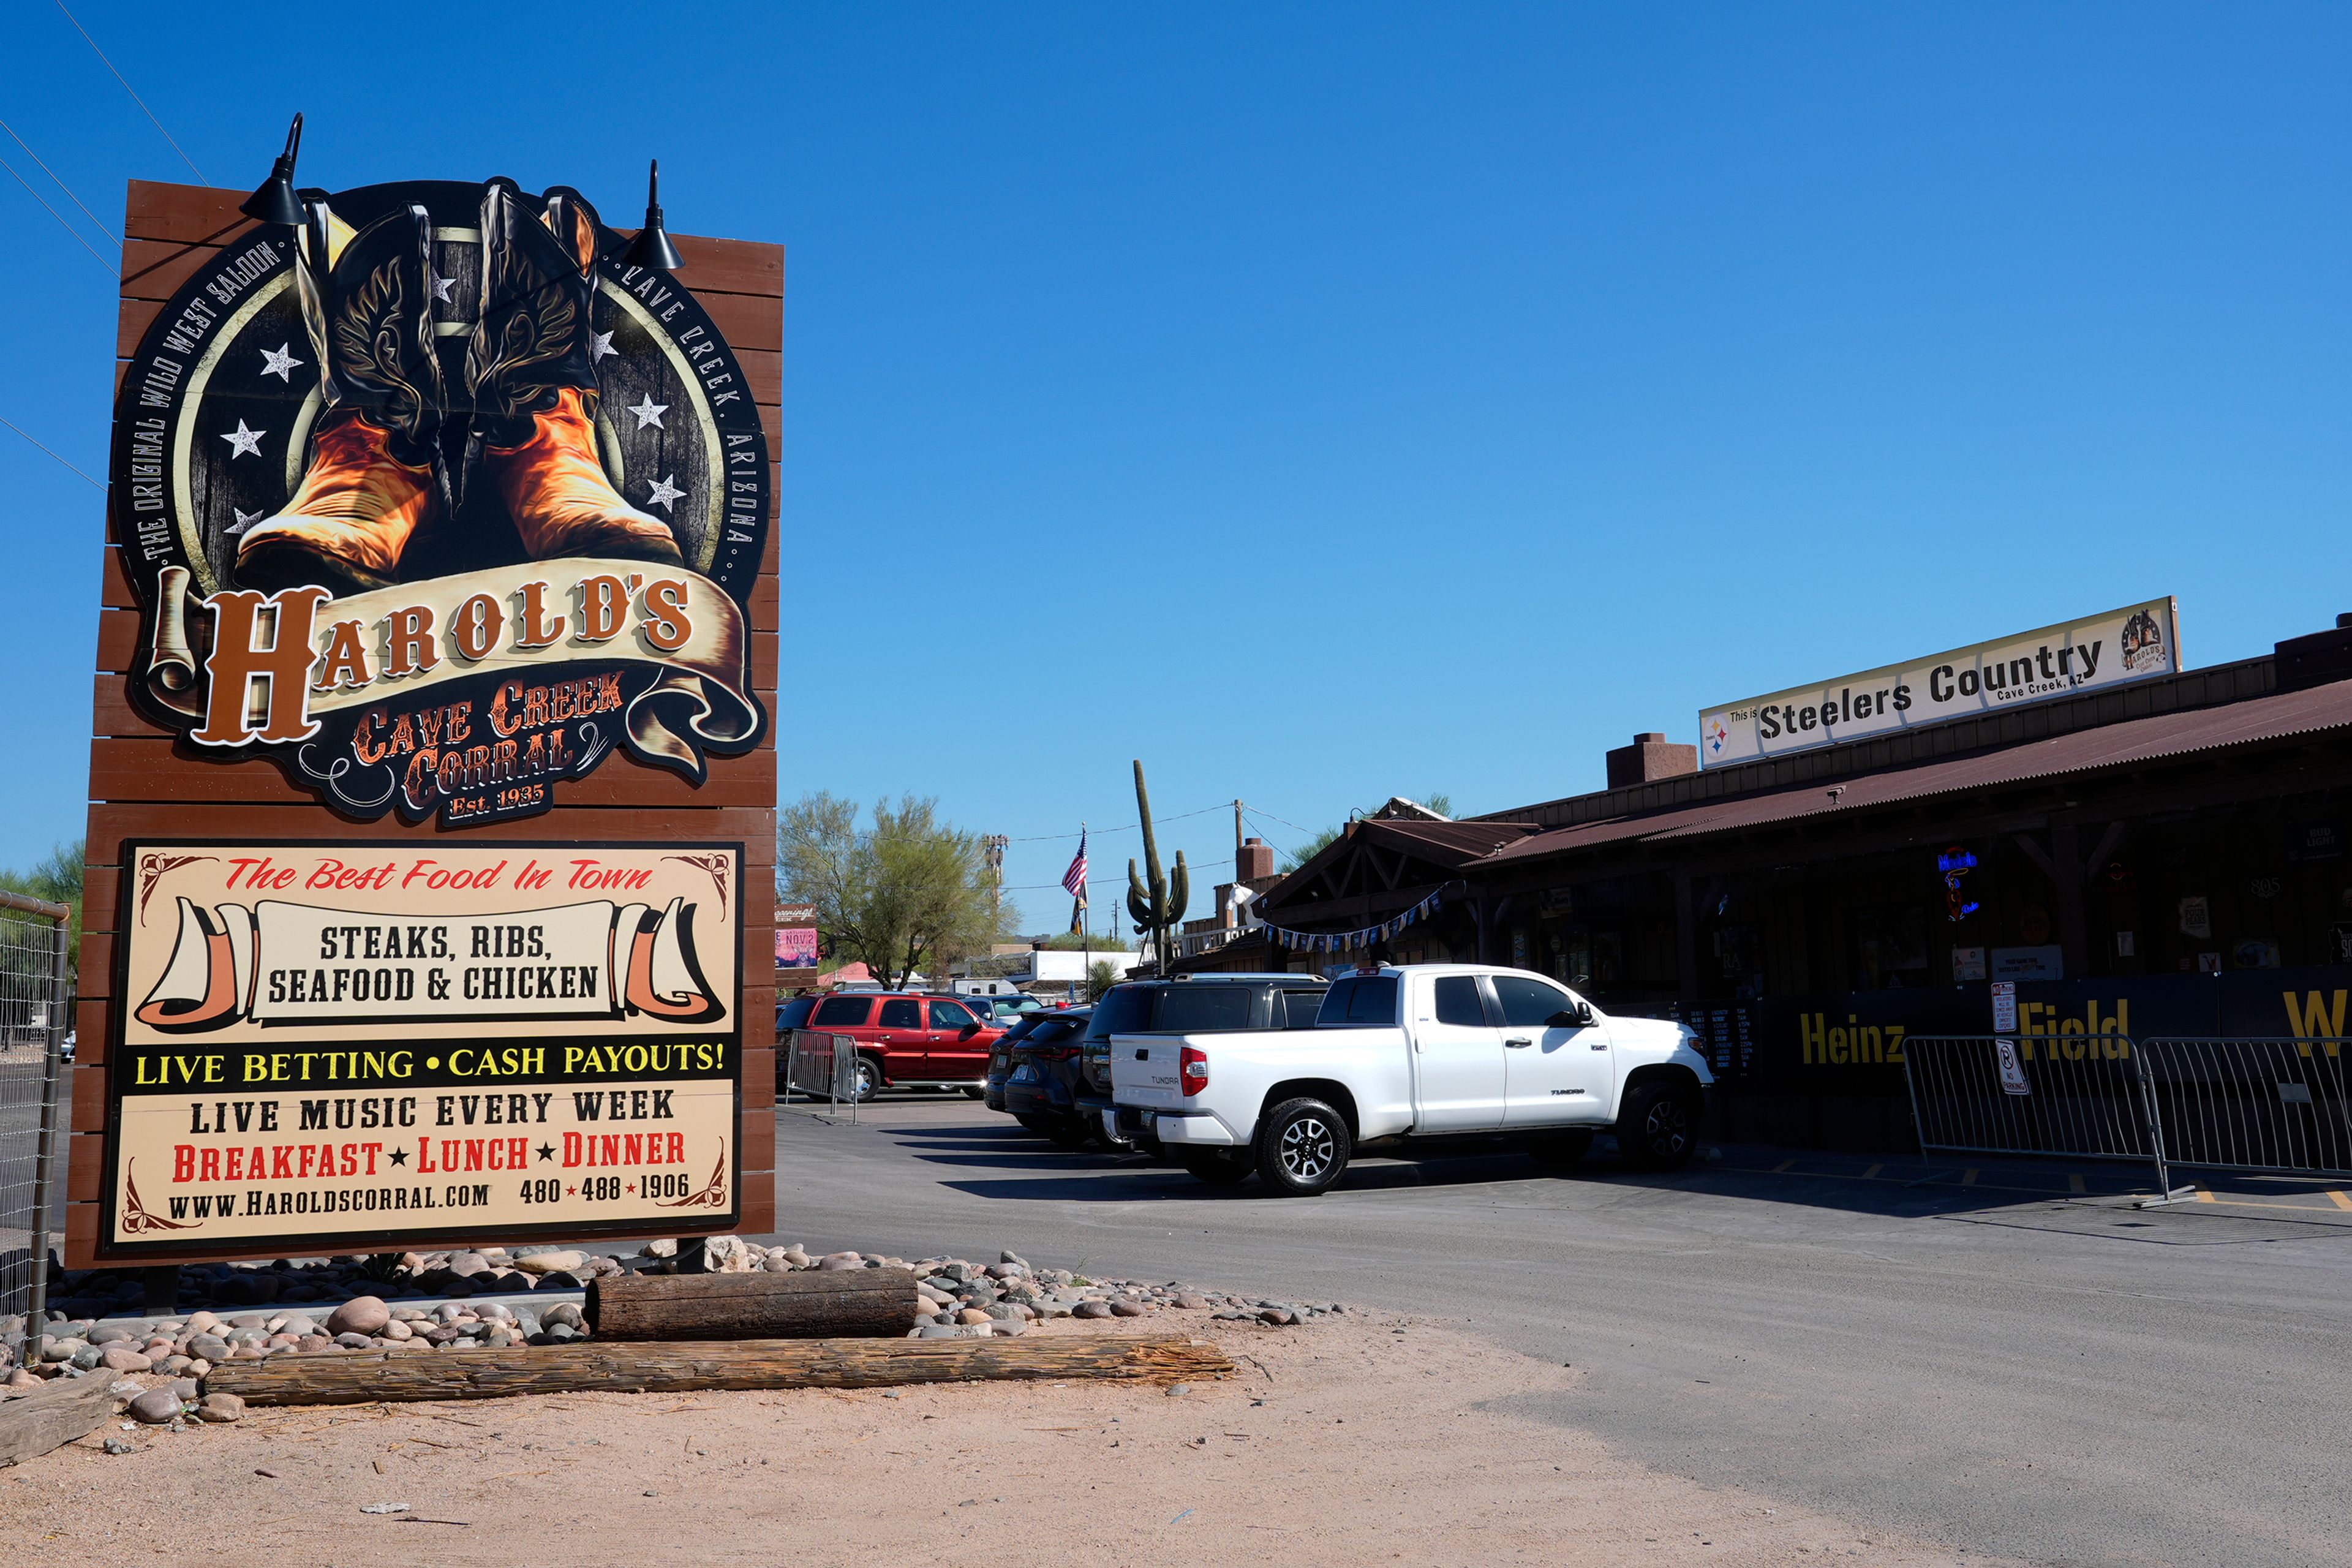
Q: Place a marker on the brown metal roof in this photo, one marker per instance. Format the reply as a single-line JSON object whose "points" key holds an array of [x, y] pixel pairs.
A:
{"points": [[2129, 743], [1445, 843]]}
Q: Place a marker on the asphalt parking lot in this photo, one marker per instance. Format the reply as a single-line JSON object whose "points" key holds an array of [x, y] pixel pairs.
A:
{"points": [[2005, 1356]]}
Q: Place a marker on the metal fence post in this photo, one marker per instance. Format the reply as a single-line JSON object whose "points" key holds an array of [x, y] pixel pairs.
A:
{"points": [[2152, 1112]]}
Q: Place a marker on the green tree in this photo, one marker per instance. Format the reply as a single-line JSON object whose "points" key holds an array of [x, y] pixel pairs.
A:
{"points": [[55, 877], [901, 896], [1309, 850]]}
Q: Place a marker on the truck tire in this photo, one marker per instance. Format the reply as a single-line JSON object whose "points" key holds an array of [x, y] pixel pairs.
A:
{"points": [[1218, 1167], [1658, 1128], [1302, 1148], [1562, 1152], [868, 1078]]}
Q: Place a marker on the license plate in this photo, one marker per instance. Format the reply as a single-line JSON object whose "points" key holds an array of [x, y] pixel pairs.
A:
{"points": [[1025, 1073]]}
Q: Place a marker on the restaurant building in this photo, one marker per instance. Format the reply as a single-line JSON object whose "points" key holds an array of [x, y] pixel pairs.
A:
{"points": [[2159, 855]]}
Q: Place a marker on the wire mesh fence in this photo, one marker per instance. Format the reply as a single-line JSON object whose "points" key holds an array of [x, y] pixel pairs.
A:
{"points": [[33, 1024], [2252, 1104]]}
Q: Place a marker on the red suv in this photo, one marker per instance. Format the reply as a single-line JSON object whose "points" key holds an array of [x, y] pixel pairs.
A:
{"points": [[910, 1041]]}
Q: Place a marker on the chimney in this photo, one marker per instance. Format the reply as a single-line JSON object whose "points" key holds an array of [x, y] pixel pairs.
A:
{"points": [[1650, 757], [1253, 862]]}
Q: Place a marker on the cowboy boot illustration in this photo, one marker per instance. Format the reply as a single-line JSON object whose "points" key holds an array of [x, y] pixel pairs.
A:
{"points": [[375, 473], [535, 384]]}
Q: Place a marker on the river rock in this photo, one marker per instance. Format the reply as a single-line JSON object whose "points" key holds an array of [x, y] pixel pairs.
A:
{"points": [[550, 1262], [220, 1408], [123, 1358], [157, 1406], [1123, 1308], [1091, 1310]]}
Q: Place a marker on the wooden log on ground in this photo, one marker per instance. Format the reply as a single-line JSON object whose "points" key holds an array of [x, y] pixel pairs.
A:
{"points": [[590, 1366], [811, 1304], [56, 1413]]}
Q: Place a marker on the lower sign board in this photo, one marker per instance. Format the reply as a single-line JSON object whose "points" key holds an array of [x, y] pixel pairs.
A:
{"points": [[368, 1047]]}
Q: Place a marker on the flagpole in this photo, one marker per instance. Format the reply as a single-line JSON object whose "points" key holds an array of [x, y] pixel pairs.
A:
{"points": [[1086, 928]]}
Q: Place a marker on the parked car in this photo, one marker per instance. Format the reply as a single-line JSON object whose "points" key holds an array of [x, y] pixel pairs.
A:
{"points": [[1410, 1057], [1037, 1092], [909, 1039], [1000, 1057], [1019, 1005], [1203, 1004], [792, 1013]]}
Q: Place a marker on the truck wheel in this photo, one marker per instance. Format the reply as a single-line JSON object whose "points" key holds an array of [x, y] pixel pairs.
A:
{"points": [[868, 1079], [1302, 1147], [1562, 1152], [1218, 1167], [1658, 1129]]}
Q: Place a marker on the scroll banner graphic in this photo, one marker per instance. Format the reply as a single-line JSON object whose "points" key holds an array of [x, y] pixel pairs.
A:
{"points": [[596, 960], [703, 691]]}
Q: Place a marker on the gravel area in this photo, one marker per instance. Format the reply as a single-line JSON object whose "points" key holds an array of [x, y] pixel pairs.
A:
{"points": [[431, 1302]]}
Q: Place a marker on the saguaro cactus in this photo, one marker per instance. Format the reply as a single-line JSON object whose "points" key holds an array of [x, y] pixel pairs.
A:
{"points": [[1157, 907]]}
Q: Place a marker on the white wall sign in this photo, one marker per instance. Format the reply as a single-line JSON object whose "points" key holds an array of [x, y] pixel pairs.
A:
{"points": [[2138, 642]]}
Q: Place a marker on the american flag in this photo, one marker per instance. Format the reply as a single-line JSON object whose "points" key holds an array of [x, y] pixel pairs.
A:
{"points": [[1074, 880]]}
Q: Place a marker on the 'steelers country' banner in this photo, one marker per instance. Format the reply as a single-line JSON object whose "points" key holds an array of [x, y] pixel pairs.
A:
{"points": [[2138, 642], [345, 1044]]}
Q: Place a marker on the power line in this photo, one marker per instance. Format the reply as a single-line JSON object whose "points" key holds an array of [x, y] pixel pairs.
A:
{"points": [[85, 477], [53, 212], [1128, 828], [52, 173], [141, 102]]}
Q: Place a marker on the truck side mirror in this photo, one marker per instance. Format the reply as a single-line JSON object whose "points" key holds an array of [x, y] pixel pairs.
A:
{"points": [[1577, 1018]]}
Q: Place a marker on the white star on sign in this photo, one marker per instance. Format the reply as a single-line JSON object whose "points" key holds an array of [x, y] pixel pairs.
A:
{"points": [[599, 346], [279, 362], [648, 412], [441, 288], [244, 519], [242, 441], [662, 491]]}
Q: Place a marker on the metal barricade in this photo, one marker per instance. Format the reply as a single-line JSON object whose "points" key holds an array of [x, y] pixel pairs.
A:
{"points": [[822, 1066], [2087, 1097], [33, 1026], [2273, 1105]]}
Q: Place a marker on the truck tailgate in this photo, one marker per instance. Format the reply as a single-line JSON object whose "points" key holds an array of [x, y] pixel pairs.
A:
{"points": [[1146, 1071]]}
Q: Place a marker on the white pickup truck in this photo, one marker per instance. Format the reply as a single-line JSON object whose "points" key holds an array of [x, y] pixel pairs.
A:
{"points": [[1408, 1057]]}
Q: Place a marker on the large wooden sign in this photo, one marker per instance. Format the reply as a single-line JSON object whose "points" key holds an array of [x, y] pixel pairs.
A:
{"points": [[433, 770]]}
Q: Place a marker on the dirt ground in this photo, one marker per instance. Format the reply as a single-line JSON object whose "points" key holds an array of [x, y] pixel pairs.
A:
{"points": [[1354, 1442]]}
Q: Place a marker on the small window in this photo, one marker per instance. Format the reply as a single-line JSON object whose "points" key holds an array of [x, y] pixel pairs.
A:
{"points": [[903, 1013], [1457, 1001], [1298, 1009], [950, 1016], [841, 1012], [1123, 1010], [1203, 1010], [1527, 1003], [1360, 1000]]}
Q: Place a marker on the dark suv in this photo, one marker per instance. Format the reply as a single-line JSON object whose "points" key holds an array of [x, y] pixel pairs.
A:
{"points": [[1188, 1005], [1042, 1065]]}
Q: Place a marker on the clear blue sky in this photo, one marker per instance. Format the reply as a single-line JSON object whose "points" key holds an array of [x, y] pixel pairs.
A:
{"points": [[1327, 403]]}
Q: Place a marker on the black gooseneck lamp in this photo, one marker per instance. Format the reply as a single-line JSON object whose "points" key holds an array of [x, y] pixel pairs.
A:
{"points": [[275, 201], [652, 247]]}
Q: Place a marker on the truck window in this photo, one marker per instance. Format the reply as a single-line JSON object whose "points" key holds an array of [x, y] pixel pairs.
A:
{"points": [[1202, 1009], [950, 1016], [902, 1015], [1526, 1003], [1296, 1009], [1457, 1001], [1123, 1010], [841, 1012], [1358, 1000]]}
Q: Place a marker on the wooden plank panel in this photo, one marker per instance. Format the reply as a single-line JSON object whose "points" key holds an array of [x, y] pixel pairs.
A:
{"points": [[759, 1078], [88, 1098], [127, 769], [156, 209], [85, 1165], [763, 373], [81, 1234], [749, 322], [112, 712], [759, 1142], [115, 592], [118, 639]]}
